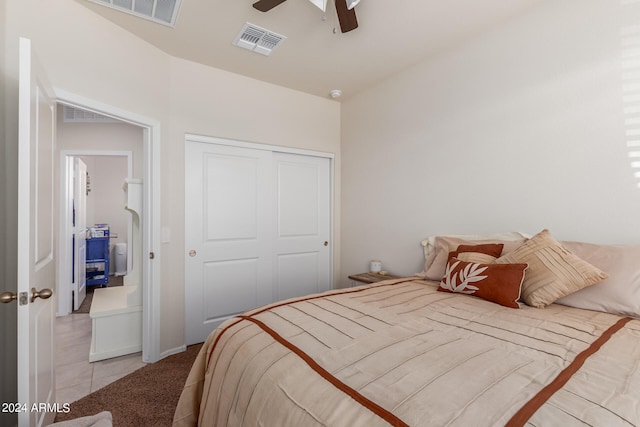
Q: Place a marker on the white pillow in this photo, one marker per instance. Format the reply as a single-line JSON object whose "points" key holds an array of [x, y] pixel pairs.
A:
{"points": [[620, 292]]}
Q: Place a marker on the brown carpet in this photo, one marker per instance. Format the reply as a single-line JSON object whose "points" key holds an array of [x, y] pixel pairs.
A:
{"points": [[146, 397]]}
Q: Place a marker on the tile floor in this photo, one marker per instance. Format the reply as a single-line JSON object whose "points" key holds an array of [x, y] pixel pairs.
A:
{"points": [[75, 376]]}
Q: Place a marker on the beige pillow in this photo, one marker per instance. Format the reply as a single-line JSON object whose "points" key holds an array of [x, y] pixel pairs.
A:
{"points": [[436, 260], [553, 271], [475, 257], [620, 292], [428, 244]]}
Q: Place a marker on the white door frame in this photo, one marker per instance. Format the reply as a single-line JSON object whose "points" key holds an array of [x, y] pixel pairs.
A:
{"points": [[64, 244], [151, 259], [257, 146]]}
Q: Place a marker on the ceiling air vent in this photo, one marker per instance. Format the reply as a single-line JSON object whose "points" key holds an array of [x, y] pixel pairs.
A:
{"points": [[76, 115], [160, 11], [258, 39]]}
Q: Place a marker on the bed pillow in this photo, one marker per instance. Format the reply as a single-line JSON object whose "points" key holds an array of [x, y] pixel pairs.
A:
{"points": [[479, 254], [428, 244], [553, 272], [620, 292], [436, 261], [499, 283]]}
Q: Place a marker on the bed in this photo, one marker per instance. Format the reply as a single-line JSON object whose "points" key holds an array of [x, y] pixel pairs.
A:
{"points": [[422, 352]]}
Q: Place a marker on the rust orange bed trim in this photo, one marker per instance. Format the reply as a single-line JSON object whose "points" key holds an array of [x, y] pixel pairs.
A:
{"points": [[294, 301], [526, 412], [372, 406]]}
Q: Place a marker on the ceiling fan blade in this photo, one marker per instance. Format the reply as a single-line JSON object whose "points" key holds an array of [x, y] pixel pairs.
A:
{"points": [[346, 16], [267, 5]]}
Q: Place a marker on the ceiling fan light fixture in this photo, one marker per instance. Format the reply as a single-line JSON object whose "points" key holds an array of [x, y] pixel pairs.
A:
{"points": [[352, 3], [321, 4], [344, 9]]}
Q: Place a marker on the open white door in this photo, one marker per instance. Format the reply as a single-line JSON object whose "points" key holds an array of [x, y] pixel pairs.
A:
{"points": [[79, 232], [36, 266]]}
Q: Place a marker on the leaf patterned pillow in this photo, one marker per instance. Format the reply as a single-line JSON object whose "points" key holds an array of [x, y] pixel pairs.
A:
{"points": [[499, 283]]}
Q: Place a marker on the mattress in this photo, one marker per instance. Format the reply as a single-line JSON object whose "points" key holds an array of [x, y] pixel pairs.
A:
{"points": [[401, 353]]}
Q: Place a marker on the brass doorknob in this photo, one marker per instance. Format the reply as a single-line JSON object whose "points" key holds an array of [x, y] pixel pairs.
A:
{"points": [[44, 294], [7, 297]]}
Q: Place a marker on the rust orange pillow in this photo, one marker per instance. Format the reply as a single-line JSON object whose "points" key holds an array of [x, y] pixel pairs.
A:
{"points": [[499, 283]]}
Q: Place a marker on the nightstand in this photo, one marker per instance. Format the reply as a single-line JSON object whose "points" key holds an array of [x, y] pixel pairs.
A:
{"points": [[367, 278]]}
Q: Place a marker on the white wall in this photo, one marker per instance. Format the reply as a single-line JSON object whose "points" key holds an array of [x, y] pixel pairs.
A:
{"points": [[212, 102], [88, 56], [105, 201], [521, 128]]}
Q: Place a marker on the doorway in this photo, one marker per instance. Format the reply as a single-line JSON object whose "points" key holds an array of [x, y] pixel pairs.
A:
{"points": [[146, 166], [106, 226], [100, 202], [106, 149]]}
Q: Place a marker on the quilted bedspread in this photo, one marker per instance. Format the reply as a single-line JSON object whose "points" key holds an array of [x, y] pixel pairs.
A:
{"points": [[401, 353]]}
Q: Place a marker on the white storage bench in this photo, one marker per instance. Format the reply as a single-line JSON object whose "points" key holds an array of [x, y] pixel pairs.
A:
{"points": [[116, 317]]}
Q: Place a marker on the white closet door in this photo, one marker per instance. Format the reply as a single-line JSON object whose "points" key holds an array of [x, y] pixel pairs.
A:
{"points": [[256, 226], [229, 217], [302, 254]]}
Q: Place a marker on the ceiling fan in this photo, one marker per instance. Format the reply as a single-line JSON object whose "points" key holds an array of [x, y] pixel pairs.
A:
{"points": [[344, 8]]}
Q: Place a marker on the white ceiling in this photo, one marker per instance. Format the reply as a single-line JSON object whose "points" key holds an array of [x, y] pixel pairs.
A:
{"points": [[392, 35]]}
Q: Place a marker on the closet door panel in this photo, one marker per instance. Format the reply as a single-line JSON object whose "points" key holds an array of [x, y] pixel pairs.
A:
{"points": [[231, 190], [298, 274], [302, 258], [229, 227], [298, 198], [237, 280]]}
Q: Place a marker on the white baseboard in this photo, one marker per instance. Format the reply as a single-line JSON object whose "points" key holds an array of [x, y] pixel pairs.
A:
{"points": [[95, 356], [171, 351]]}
